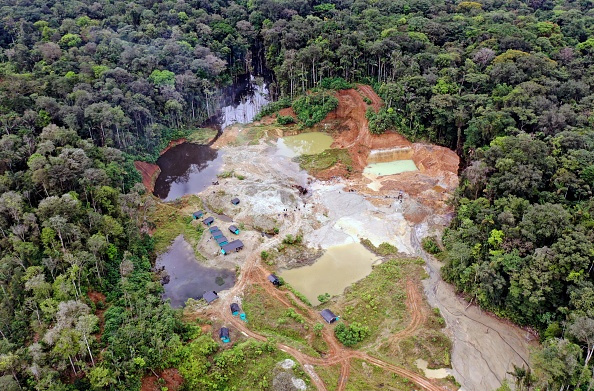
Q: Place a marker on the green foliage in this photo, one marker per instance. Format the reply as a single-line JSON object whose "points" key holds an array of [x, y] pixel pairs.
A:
{"points": [[162, 77], [382, 121], [335, 83], [313, 108], [430, 245], [285, 120], [352, 334], [324, 298], [273, 107]]}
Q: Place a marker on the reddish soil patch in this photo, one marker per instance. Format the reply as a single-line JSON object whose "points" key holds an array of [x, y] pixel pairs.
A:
{"points": [[149, 173], [170, 379], [438, 166]]}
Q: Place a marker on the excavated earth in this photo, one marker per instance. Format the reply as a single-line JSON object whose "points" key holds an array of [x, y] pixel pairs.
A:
{"points": [[343, 207]]}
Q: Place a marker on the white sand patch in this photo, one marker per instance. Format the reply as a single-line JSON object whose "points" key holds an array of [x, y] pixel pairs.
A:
{"points": [[299, 384], [287, 364]]}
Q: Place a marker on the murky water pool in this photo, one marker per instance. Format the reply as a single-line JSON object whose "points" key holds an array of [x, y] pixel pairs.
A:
{"points": [[339, 267], [188, 278], [186, 169], [390, 168], [439, 373], [310, 143]]}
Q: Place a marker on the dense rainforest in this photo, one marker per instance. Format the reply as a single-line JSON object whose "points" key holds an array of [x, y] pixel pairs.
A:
{"points": [[87, 86]]}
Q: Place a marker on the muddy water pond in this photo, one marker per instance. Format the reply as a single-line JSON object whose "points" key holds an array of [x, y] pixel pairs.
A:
{"points": [[390, 168], [339, 267], [310, 143], [186, 169], [188, 278]]}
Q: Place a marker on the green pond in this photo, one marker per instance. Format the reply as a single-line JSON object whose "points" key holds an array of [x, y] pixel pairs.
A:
{"points": [[310, 143], [339, 267], [390, 168]]}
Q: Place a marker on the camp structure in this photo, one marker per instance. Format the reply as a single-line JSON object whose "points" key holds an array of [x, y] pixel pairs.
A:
{"points": [[235, 245], [224, 334], [329, 316], [235, 310], [274, 280], [213, 228], [235, 201], [208, 221], [234, 229], [221, 240], [210, 296], [197, 214], [216, 234]]}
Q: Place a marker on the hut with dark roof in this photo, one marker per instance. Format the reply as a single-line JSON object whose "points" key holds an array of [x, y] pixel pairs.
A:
{"points": [[210, 296], [235, 310], [197, 214], [224, 334], [221, 240], [217, 233], [329, 316], [213, 228], [234, 229], [274, 280], [235, 201], [208, 221], [234, 246]]}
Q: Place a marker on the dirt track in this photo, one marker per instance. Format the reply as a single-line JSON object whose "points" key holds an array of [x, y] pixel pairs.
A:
{"points": [[253, 273]]}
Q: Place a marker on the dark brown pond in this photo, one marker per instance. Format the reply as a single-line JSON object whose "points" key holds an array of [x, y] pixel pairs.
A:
{"points": [[186, 169], [187, 277]]}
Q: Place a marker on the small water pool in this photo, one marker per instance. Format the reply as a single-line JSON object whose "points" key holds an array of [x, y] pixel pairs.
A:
{"points": [[310, 143], [188, 278], [339, 267], [390, 168]]}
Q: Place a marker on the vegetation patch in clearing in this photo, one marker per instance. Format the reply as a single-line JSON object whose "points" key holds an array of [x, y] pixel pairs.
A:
{"points": [[248, 365], [172, 219], [325, 160], [271, 318], [329, 375], [377, 301], [365, 376]]}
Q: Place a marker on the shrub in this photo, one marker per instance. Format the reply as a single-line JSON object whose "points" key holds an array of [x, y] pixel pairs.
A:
{"points": [[352, 334], [313, 108], [381, 121], [273, 107], [430, 245], [335, 83], [285, 120]]}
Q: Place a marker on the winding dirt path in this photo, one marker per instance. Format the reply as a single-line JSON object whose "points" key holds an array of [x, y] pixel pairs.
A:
{"points": [[414, 303], [254, 273]]}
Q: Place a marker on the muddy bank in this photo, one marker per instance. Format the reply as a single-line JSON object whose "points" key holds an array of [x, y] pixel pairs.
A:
{"points": [[150, 173], [485, 349]]}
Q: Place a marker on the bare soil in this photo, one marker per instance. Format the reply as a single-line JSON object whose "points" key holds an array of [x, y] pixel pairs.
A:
{"points": [[149, 173]]}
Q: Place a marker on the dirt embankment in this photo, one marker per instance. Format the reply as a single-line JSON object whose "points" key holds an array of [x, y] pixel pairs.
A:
{"points": [[438, 166], [149, 171]]}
